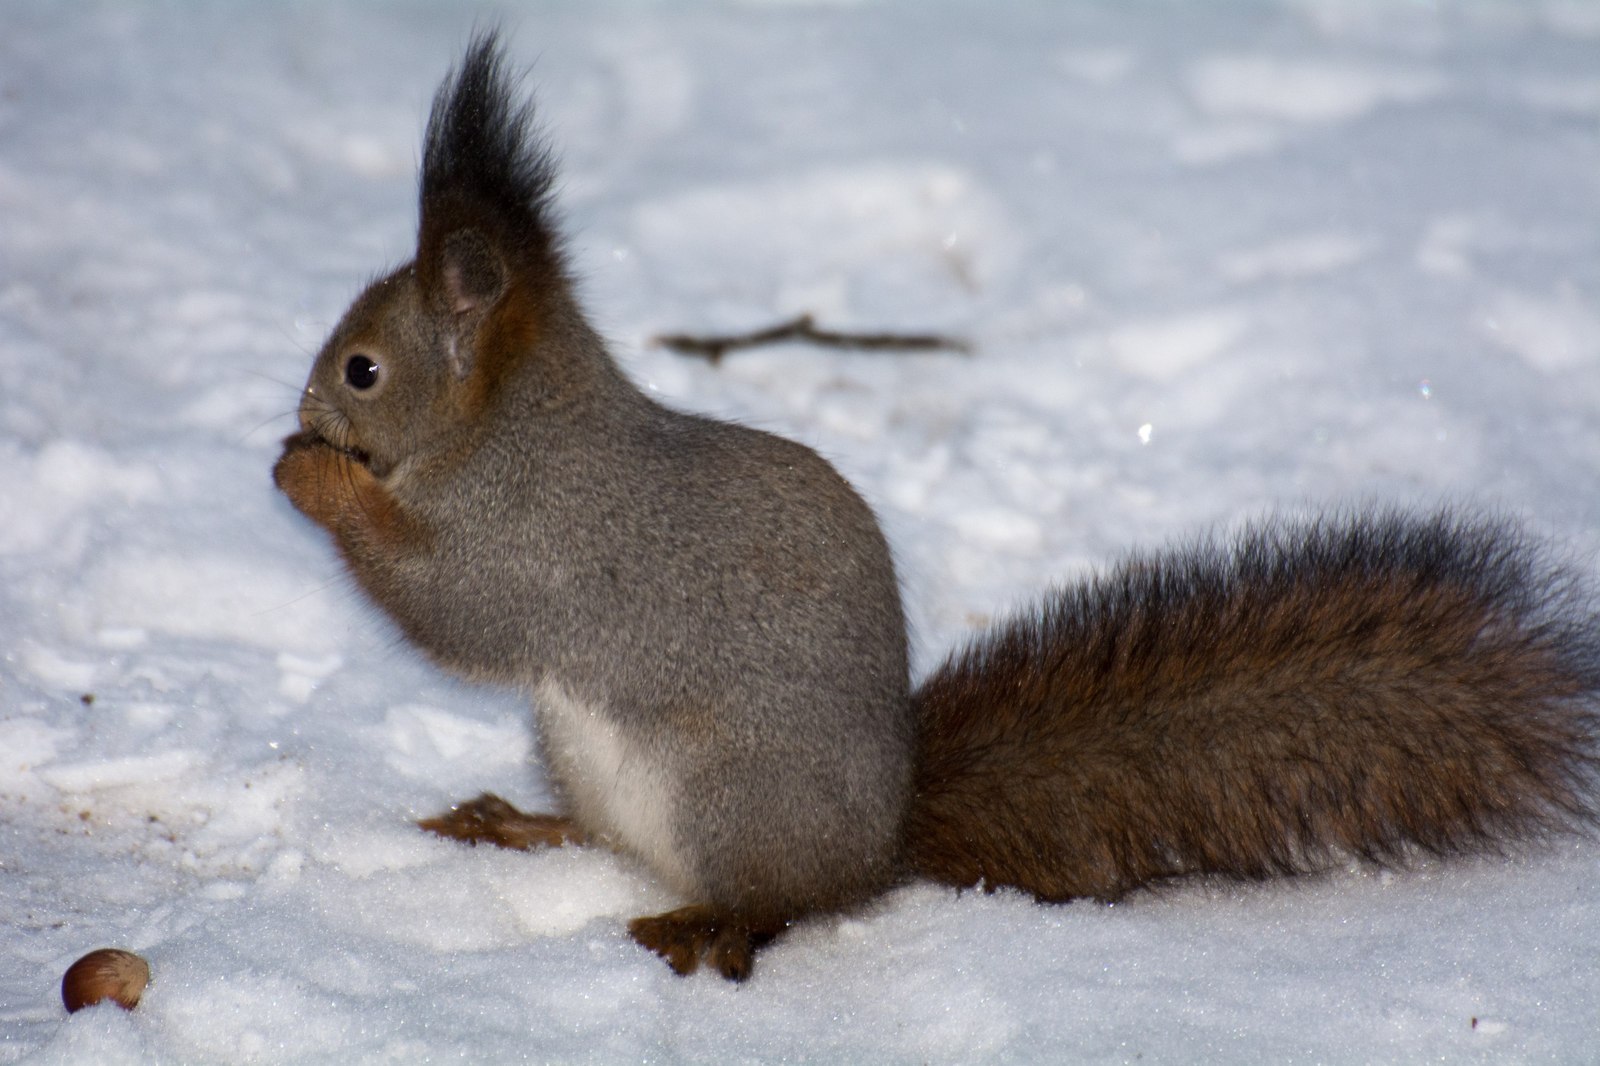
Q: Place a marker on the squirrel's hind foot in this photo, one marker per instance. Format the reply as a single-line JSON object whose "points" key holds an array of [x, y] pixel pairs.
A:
{"points": [[688, 935], [491, 820]]}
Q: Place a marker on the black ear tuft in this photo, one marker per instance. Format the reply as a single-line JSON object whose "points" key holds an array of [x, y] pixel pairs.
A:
{"points": [[484, 168]]}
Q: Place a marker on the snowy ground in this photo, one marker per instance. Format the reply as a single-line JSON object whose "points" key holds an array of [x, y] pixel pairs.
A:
{"points": [[1217, 259]]}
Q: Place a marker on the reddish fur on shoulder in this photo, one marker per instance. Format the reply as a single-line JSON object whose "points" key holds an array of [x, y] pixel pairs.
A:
{"points": [[1366, 688], [509, 334]]}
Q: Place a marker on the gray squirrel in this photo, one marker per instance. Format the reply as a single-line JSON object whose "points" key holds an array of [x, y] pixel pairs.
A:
{"points": [[708, 621]]}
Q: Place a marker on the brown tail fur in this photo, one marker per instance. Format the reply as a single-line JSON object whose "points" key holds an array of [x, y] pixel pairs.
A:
{"points": [[1368, 687]]}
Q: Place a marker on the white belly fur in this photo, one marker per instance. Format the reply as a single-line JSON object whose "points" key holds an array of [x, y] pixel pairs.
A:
{"points": [[613, 788]]}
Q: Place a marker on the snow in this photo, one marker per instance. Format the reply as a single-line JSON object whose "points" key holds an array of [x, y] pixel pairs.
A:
{"points": [[1216, 260]]}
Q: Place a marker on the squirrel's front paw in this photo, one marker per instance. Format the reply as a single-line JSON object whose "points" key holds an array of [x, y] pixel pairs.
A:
{"points": [[318, 478], [335, 489]]}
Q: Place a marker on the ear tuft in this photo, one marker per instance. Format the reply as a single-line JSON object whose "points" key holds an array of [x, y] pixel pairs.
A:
{"points": [[485, 167], [487, 242]]}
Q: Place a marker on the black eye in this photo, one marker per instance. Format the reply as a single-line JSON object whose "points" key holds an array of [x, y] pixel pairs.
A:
{"points": [[360, 373]]}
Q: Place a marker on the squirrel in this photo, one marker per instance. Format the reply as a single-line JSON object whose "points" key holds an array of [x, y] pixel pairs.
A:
{"points": [[708, 621]]}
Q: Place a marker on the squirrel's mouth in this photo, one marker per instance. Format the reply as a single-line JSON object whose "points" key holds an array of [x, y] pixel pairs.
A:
{"points": [[355, 455], [310, 437], [350, 452]]}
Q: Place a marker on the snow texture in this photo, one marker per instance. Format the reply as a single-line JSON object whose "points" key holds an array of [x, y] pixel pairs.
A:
{"points": [[1217, 260]]}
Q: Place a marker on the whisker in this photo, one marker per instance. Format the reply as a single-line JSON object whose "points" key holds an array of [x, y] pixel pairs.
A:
{"points": [[264, 376], [306, 595], [259, 426]]}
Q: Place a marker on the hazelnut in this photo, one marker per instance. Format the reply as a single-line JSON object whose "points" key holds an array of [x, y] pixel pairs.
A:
{"points": [[108, 973]]}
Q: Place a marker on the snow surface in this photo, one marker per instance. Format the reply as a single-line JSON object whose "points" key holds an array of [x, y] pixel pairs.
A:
{"points": [[1217, 260]]}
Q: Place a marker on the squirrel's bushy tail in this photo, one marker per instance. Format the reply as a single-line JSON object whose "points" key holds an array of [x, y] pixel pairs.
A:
{"points": [[1358, 686]]}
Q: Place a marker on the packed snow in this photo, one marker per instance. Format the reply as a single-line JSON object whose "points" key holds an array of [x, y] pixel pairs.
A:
{"points": [[1216, 260]]}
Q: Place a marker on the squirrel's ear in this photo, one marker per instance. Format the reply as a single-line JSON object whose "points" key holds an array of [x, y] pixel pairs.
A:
{"points": [[472, 278]]}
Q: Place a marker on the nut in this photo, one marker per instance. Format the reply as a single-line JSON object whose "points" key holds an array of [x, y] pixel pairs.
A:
{"points": [[107, 973]]}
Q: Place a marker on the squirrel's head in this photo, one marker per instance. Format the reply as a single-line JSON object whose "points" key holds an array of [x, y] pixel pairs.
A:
{"points": [[421, 354]]}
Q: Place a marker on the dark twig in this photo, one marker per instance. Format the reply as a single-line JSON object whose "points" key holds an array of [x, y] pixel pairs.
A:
{"points": [[804, 328]]}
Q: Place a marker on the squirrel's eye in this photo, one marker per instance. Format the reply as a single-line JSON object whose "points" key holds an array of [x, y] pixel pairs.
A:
{"points": [[360, 372]]}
